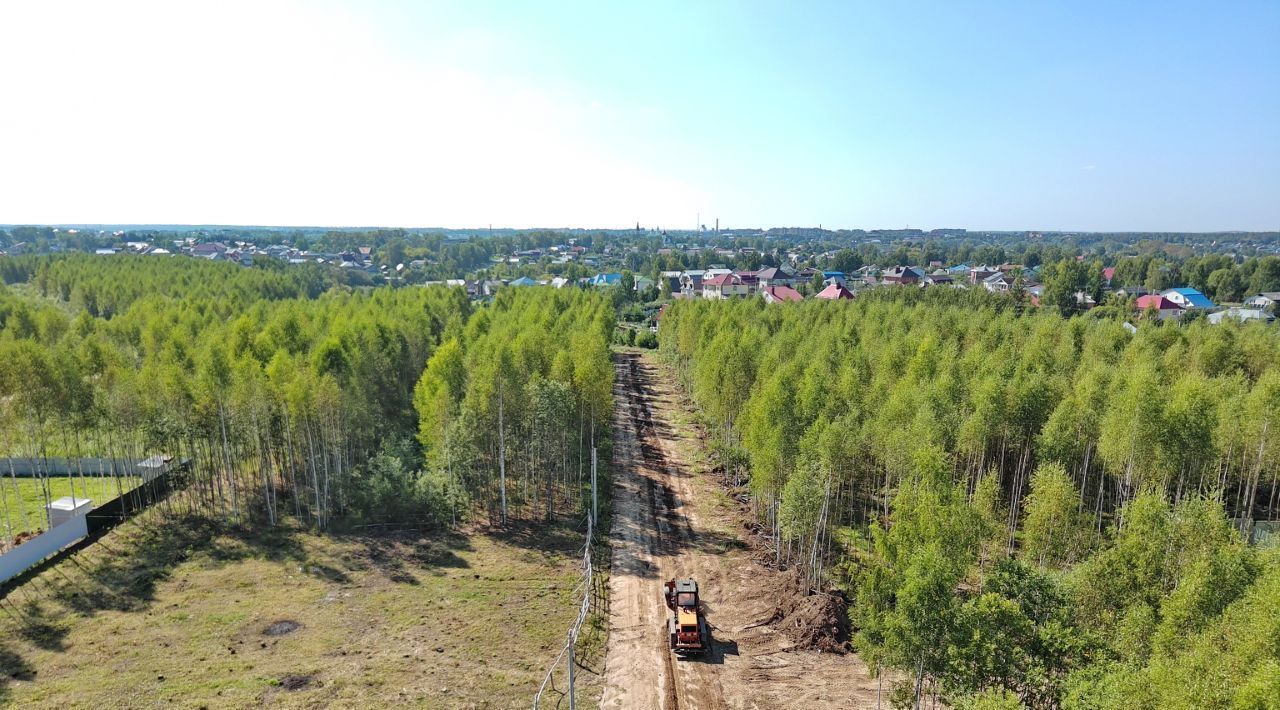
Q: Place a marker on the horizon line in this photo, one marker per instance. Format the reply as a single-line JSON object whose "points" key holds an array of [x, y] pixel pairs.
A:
{"points": [[481, 229]]}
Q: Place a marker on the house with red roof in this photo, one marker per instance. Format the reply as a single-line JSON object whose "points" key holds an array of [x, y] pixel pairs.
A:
{"points": [[723, 286], [1163, 307], [780, 294], [836, 292]]}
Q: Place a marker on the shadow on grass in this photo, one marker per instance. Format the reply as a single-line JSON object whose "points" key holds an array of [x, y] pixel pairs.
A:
{"points": [[563, 535], [398, 555], [123, 570], [12, 667], [41, 629]]}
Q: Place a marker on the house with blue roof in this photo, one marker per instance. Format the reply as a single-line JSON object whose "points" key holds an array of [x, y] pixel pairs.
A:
{"points": [[1189, 298], [605, 280], [523, 281]]}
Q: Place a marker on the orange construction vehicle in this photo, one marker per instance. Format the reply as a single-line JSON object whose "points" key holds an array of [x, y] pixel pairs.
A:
{"points": [[686, 626]]}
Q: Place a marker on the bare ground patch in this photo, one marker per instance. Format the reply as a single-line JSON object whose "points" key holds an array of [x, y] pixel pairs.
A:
{"points": [[762, 658]]}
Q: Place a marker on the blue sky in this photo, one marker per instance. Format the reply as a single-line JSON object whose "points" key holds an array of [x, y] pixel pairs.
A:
{"points": [[1018, 115]]}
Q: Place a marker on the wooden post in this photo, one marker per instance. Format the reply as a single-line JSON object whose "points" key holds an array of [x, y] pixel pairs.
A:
{"points": [[571, 703]]}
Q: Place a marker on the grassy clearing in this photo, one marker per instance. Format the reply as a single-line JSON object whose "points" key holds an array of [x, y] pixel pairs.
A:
{"points": [[166, 611], [22, 500]]}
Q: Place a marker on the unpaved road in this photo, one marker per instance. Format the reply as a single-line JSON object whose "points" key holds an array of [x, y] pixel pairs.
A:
{"points": [[665, 525]]}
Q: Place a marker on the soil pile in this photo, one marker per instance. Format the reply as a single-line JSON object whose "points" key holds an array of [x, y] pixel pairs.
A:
{"points": [[282, 627], [816, 621], [295, 681]]}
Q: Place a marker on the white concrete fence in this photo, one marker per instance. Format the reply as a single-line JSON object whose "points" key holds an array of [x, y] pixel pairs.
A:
{"points": [[32, 551]]}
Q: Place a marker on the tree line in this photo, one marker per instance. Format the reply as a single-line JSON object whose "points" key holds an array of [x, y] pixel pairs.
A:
{"points": [[288, 395], [1025, 509], [511, 406]]}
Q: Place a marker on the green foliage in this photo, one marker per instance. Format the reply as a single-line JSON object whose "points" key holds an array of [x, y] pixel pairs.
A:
{"points": [[276, 386], [802, 500], [390, 488], [906, 602], [1231, 662], [519, 398], [1016, 636], [990, 699], [1054, 532], [949, 424]]}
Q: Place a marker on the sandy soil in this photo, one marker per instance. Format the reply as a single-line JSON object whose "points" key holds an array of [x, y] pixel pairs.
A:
{"points": [[665, 526]]}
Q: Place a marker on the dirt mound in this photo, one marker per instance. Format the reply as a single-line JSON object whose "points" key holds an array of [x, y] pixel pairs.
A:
{"points": [[811, 620], [282, 627], [24, 536], [295, 681], [819, 622]]}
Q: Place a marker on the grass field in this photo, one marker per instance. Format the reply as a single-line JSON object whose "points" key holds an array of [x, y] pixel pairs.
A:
{"points": [[21, 497], [170, 612]]}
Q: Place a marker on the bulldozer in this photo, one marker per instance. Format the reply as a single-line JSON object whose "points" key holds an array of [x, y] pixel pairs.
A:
{"points": [[687, 630]]}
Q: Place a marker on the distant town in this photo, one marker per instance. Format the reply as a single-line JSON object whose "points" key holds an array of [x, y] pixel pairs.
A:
{"points": [[1224, 276]]}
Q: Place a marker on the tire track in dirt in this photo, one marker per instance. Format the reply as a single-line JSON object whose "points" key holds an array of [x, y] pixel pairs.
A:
{"points": [[650, 539], [667, 524]]}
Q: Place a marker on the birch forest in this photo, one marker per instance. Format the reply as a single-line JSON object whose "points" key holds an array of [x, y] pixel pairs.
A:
{"points": [[280, 392], [1023, 509]]}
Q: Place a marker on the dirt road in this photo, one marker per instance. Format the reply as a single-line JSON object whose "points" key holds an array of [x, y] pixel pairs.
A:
{"points": [[670, 522]]}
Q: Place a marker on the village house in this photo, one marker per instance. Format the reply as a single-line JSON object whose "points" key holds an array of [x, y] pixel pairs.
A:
{"points": [[775, 276], [722, 286], [669, 282], [749, 279], [1164, 308], [939, 277], [605, 280], [835, 292], [1242, 315], [1266, 299], [209, 250], [999, 282], [691, 283], [902, 276], [780, 294], [979, 274], [1189, 298]]}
